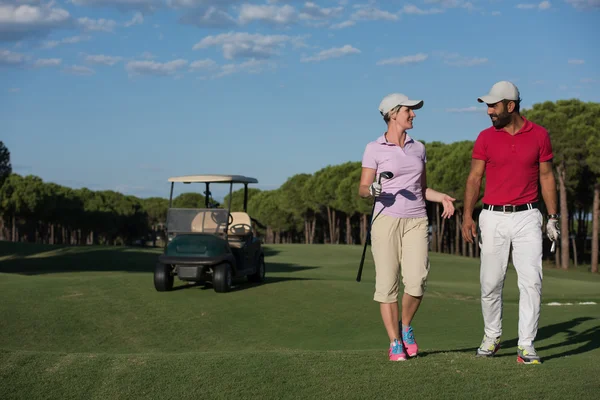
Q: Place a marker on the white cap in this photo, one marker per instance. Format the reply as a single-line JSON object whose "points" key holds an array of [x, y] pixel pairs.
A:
{"points": [[398, 99], [503, 90]]}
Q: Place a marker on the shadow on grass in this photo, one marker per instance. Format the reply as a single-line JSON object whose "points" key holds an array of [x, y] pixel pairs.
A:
{"points": [[588, 341], [238, 284], [26, 259]]}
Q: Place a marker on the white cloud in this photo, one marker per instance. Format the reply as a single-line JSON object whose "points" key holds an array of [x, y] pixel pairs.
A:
{"points": [[342, 25], [23, 21], [576, 61], [97, 25], [335, 52], [373, 14], [496, 13], [466, 109], [144, 6], [544, 5], [50, 44], [584, 4], [138, 19], [79, 70], [209, 18], [246, 45], [416, 58], [252, 66], [456, 60], [588, 80], [155, 68], [8, 57], [14, 90], [278, 15], [47, 62], [412, 9], [101, 59], [206, 64], [311, 11]]}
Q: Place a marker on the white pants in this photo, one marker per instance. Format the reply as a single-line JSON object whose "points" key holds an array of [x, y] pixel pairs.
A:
{"points": [[522, 229]]}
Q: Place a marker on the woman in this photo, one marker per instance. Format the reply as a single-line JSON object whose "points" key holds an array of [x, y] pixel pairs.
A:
{"points": [[399, 229]]}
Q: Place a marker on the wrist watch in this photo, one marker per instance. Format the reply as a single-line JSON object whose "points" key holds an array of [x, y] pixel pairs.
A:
{"points": [[554, 216]]}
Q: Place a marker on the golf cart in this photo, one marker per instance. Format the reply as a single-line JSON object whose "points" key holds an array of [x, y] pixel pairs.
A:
{"points": [[209, 244]]}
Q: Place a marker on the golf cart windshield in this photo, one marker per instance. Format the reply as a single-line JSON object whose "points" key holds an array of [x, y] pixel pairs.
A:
{"points": [[197, 220]]}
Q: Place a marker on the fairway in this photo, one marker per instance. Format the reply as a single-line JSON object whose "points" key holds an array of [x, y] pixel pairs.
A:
{"points": [[87, 323]]}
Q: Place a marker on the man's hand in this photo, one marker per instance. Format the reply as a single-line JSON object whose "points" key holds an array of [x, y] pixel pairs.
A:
{"points": [[375, 189], [469, 229], [552, 230]]}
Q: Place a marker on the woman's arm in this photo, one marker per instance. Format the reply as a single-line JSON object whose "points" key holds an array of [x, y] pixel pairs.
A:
{"points": [[366, 179], [428, 193], [437, 197]]}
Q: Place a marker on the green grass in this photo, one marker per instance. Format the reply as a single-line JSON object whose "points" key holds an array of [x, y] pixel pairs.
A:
{"points": [[87, 323]]}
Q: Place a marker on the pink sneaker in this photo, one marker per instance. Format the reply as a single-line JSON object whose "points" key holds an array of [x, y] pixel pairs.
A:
{"points": [[408, 339], [396, 352]]}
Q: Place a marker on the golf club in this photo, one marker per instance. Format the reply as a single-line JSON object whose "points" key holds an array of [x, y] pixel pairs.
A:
{"points": [[553, 248], [386, 175]]}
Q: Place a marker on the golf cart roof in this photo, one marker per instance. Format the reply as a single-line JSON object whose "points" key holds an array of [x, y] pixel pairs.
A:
{"points": [[213, 178]]}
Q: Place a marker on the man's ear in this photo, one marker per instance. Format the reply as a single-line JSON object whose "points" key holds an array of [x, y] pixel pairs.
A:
{"points": [[510, 107]]}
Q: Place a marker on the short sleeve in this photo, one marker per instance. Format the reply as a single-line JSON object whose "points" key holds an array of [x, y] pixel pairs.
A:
{"points": [[479, 148], [546, 148], [368, 159]]}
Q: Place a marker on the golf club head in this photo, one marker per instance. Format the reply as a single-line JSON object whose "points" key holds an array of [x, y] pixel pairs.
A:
{"points": [[386, 175]]}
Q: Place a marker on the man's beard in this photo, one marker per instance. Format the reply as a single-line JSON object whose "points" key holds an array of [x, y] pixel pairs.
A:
{"points": [[501, 120]]}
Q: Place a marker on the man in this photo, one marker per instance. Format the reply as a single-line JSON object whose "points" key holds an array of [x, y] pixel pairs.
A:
{"points": [[513, 154]]}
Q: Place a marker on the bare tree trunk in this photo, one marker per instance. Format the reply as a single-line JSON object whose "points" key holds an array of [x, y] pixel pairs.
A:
{"points": [[438, 228], [457, 233], [363, 229], [564, 217], [306, 230], [14, 229], [441, 237], [348, 230], [574, 243], [312, 229], [595, 217]]}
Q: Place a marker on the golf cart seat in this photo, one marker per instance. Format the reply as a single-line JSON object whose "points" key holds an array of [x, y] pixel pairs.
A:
{"points": [[240, 230], [210, 221]]}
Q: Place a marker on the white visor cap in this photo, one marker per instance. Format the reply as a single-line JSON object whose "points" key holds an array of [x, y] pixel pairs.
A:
{"points": [[398, 99]]}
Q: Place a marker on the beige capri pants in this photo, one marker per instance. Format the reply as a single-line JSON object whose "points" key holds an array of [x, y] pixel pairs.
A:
{"points": [[399, 245]]}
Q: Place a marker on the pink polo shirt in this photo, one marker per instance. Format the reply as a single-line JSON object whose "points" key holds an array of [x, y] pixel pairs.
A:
{"points": [[401, 196]]}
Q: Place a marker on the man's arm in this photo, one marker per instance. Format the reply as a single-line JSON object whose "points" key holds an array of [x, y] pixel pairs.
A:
{"points": [[471, 196], [473, 186], [548, 184]]}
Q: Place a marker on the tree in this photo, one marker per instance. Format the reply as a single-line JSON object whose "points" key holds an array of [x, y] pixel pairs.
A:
{"points": [[568, 148], [591, 128], [5, 166]]}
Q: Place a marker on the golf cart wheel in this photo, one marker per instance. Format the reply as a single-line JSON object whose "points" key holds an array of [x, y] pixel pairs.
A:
{"points": [[259, 275], [163, 277], [222, 278]]}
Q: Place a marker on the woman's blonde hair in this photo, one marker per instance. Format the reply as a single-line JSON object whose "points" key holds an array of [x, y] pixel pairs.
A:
{"points": [[391, 113]]}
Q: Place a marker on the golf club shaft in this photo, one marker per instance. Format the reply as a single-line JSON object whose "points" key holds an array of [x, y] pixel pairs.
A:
{"points": [[362, 259]]}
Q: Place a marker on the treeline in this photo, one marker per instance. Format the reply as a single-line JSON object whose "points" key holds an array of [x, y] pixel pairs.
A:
{"points": [[323, 207]]}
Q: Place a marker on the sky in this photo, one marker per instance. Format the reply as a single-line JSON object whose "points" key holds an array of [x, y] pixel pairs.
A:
{"points": [[122, 94]]}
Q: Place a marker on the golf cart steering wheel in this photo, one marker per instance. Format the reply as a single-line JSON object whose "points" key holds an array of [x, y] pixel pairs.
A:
{"points": [[233, 227]]}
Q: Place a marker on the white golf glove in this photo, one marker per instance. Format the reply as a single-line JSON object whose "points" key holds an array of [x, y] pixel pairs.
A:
{"points": [[375, 189], [552, 230]]}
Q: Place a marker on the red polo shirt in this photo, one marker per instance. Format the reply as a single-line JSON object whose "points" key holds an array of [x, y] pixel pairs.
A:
{"points": [[512, 163]]}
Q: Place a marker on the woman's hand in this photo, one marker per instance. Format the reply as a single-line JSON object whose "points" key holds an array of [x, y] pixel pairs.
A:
{"points": [[448, 206]]}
